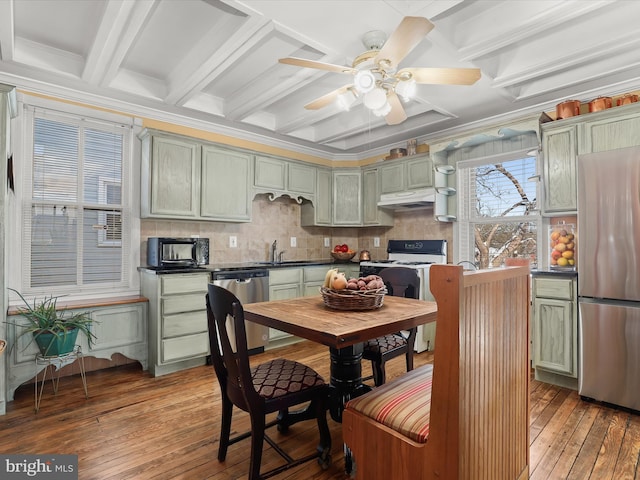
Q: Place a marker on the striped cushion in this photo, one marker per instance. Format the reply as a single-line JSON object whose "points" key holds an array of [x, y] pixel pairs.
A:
{"points": [[403, 404]]}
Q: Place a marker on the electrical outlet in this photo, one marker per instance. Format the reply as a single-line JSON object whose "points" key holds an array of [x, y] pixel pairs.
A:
{"points": [[327, 242], [376, 241], [294, 242], [233, 241]]}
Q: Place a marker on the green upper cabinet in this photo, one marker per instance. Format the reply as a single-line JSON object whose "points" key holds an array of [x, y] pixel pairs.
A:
{"points": [[406, 174], [186, 179], [611, 132], [371, 213], [225, 185], [564, 140], [282, 177], [169, 176], [559, 150], [347, 197], [318, 210]]}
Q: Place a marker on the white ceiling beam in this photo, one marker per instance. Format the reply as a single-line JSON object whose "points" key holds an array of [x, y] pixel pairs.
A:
{"points": [[557, 16], [111, 29], [138, 15], [187, 82], [553, 65]]}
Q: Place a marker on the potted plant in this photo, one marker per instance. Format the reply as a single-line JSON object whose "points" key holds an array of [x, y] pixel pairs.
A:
{"points": [[54, 330]]}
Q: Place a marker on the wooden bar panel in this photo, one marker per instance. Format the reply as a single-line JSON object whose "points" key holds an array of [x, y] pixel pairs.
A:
{"points": [[479, 418]]}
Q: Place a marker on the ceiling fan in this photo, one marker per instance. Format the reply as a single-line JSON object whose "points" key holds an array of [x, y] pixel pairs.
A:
{"points": [[375, 73]]}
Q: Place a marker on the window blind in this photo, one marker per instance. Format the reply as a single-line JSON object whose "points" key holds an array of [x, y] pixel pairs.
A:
{"points": [[76, 224]]}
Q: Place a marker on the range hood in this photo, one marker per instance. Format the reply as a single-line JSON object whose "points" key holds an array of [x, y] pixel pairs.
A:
{"points": [[408, 200]]}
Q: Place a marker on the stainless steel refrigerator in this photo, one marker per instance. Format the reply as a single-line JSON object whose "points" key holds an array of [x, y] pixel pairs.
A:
{"points": [[609, 276]]}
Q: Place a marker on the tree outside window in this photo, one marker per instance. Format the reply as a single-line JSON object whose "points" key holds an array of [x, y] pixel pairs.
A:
{"points": [[504, 219]]}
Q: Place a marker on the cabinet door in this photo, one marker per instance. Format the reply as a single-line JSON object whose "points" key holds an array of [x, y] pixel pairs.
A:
{"points": [[119, 326], [554, 336], [226, 193], [611, 133], [323, 197], [302, 178], [174, 172], [419, 173], [392, 178], [270, 173], [347, 198], [371, 214], [559, 168]]}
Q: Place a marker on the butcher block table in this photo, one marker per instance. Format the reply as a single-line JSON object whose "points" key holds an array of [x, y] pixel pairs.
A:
{"points": [[344, 332]]}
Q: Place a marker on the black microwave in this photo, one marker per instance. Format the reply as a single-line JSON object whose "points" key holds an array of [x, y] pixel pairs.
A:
{"points": [[177, 252]]}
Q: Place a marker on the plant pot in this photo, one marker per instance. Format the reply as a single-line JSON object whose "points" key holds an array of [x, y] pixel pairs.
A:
{"points": [[51, 344]]}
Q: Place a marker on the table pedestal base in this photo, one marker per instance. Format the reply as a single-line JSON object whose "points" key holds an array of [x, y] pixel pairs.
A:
{"points": [[346, 378]]}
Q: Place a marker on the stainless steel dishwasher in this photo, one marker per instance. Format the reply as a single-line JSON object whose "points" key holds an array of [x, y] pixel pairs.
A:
{"points": [[248, 286]]}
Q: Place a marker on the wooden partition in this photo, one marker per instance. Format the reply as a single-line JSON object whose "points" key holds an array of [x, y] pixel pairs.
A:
{"points": [[479, 420]]}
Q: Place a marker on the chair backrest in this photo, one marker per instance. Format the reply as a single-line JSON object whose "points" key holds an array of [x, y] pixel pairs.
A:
{"points": [[401, 281], [230, 358]]}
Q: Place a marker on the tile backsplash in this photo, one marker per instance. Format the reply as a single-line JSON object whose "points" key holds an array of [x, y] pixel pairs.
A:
{"points": [[280, 220]]}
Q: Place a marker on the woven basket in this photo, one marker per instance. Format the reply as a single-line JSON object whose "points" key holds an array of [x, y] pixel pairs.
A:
{"points": [[353, 299]]}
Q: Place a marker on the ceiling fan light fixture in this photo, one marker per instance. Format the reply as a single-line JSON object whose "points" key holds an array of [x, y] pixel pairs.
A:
{"points": [[375, 99], [346, 100], [364, 81], [383, 111], [406, 89]]}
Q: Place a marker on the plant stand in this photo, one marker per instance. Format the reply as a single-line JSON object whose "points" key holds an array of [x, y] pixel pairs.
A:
{"points": [[58, 361]]}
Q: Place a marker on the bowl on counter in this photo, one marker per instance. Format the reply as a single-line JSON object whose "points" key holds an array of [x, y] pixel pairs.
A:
{"points": [[343, 257]]}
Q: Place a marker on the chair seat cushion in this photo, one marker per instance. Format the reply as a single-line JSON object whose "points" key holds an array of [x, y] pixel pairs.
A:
{"points": [[403, 404], [280, 377], [386, 343]]}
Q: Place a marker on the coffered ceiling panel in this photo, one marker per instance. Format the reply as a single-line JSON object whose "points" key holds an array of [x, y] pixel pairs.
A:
{"points": [[214, 64]]}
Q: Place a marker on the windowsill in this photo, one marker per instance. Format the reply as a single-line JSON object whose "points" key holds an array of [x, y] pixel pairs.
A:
{"points": [[89, 303]]}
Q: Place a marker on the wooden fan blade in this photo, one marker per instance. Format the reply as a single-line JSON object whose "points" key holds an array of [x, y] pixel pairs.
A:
{"points": [[442, 76], [409, 33], [301, 62], [326, 99], [397, 114]]}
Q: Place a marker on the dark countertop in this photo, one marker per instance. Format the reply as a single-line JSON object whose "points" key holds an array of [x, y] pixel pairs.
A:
{"points": [[555, 272], [222, 267]]}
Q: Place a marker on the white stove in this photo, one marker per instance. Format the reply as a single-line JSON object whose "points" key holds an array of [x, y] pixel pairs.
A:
{"points": [[418, 254]]}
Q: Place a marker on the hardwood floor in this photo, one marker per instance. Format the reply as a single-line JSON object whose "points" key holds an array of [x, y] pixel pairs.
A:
{"points": [[134, 426]]}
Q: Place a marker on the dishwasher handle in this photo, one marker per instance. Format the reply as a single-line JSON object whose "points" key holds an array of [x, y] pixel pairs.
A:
{"points": [[239, 275]]}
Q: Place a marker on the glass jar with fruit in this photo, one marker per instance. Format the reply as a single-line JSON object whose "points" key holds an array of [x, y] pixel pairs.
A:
{"points": [[562, 246]]}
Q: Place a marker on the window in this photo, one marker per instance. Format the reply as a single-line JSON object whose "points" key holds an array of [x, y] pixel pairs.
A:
{"points": [[499, 217], [75, 220]]}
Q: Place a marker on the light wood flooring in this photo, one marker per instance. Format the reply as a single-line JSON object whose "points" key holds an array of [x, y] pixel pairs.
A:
{"points": [[134, 426]]}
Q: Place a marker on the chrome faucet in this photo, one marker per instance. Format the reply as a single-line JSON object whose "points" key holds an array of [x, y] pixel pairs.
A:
{"points": [[274, 248]]}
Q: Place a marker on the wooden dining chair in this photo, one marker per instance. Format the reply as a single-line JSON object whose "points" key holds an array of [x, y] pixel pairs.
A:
{"points": [[273, 386], [401, 282]]}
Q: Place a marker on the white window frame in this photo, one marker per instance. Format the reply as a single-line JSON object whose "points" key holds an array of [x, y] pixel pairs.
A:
{"points": [[19, 251], [103, 240], [464, 249]]}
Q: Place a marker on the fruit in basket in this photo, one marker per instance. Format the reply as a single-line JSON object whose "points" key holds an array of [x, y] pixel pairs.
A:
{"points": [[370, 282], [327, 278], [338, 281], [344, 248]]}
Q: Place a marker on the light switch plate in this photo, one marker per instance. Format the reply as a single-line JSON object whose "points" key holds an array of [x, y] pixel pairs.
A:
{"points": [[376, 241], [327, 242], [294, 242], [233, 241]]}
